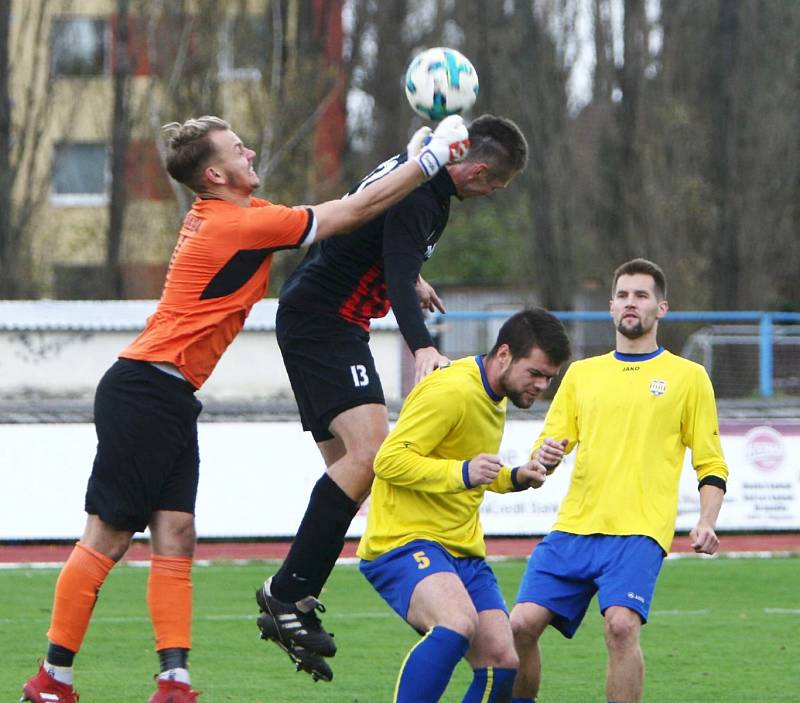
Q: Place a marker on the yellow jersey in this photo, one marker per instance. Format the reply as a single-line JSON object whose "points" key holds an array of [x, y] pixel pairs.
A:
{"points": [[632, 418], [419, 492]]}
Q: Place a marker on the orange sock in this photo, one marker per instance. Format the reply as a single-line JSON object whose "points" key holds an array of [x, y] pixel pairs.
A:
{"points": [[75, 596], [169, 599]]}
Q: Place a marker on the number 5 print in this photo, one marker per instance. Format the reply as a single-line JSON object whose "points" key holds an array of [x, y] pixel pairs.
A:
{"points": [[422, 561]]}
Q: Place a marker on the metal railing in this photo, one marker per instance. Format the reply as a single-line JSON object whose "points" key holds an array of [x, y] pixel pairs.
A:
{"points": [[764, 319]]}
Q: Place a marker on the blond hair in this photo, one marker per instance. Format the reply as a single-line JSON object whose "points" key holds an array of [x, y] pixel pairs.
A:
{"points": [[189, 148]]}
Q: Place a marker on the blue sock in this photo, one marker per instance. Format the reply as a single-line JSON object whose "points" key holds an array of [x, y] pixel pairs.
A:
{"points": [[493, 681], [429, 665]]}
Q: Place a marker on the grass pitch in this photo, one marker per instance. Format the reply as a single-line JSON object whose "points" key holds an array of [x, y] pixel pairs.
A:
{"points": [[721, 630]]}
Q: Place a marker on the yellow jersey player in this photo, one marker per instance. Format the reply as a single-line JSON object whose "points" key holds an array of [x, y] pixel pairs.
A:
{"points": [[632, 414], [423, 548]]}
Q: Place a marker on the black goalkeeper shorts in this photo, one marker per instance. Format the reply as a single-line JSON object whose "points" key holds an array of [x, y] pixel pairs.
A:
{"points": [[329, 365], [147, 454]]}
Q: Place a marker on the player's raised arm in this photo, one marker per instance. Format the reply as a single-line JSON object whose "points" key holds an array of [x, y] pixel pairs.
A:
{"points": [[449, 143]]}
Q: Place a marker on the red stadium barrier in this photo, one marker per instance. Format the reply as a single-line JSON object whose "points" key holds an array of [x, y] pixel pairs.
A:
{"points": [[498, 547]]}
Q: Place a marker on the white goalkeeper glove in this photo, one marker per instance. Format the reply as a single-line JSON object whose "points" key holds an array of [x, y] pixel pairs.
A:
{"points": [[448, 144]]}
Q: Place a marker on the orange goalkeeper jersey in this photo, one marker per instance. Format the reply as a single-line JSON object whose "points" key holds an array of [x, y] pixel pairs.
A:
{"points": [[218, 271]]}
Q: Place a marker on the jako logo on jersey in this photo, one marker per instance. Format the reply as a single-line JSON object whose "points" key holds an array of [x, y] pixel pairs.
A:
{"points": [[630, 368], [429, 251], [658, 388]]}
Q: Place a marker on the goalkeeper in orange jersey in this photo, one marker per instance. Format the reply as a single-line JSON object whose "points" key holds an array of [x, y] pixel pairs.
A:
{"points": [[631, 413]]}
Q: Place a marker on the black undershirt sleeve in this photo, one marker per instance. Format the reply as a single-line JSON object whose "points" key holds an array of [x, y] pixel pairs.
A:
{"points": [[406, 228], [405, 303], [713, 481]]}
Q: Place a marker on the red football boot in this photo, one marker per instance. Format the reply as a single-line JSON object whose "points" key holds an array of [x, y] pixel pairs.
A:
{"points": [[43, 688], [173, 692]]}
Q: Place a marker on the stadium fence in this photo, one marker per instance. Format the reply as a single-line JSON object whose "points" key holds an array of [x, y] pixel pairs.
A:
{"points": [[751, 353]]}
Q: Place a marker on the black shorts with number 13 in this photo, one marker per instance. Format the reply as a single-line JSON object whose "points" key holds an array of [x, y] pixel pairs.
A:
{"points": [[329, 364]]}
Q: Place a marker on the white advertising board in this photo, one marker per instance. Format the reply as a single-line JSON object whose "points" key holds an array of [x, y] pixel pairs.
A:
{"points": [[255, 479], [763, 487]]}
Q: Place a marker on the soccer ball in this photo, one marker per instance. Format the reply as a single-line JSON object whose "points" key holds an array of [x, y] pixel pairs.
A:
{"points": [[441, 82]]}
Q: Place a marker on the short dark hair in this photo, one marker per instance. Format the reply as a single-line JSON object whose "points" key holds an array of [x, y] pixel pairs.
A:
{"points": [[499, 142], [534, 327], [189, 148], [634, 266]]}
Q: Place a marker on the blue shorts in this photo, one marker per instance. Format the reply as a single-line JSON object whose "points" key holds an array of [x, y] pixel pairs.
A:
{"points": [[566, 570], [395, 575]]}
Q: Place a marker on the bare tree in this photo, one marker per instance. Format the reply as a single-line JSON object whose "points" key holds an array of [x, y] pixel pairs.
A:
{"points": [[157, 24], [687, 151], [727, 267], [272, 69], [23, 125], [523, 70], [7, 243], [619, 215], [384, 38], [631, 200], [121, 124]]}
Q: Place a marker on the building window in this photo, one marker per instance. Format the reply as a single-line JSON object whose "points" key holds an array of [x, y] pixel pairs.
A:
{"points": [[244, 48], [79, 47], [80, 174]]}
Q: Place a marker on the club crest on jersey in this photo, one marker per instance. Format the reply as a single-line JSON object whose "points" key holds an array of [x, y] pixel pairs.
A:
{"points": [[657, 387]]}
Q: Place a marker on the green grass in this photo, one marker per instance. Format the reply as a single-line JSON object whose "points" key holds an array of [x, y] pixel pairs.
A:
{"points": [[721, 630]]}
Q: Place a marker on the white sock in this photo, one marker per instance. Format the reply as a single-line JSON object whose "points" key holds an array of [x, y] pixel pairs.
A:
{"points": [[62, 674], [179, 675]]}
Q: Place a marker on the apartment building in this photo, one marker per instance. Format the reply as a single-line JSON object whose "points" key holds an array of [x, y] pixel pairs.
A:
{"points": [[92, 81]]}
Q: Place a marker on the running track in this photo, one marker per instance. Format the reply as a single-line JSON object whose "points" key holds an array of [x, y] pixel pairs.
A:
{"points": [[498, 547]]}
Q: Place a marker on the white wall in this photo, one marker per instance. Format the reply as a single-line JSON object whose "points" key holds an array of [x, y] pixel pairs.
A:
{"points": [[62, 348], [255, 479]]}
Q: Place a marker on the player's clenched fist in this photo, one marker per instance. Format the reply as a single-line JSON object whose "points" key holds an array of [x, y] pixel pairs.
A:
{"points": [[550, 453], [483, 469], [704, 539], [531, 474], [453, 132], [447, 144]]}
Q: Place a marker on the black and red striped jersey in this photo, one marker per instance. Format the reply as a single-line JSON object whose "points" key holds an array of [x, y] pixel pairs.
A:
{"points": [[358, 277]]}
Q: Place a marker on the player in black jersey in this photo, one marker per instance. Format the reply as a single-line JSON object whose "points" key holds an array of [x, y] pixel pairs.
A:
{"points": [[322, 328]]}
